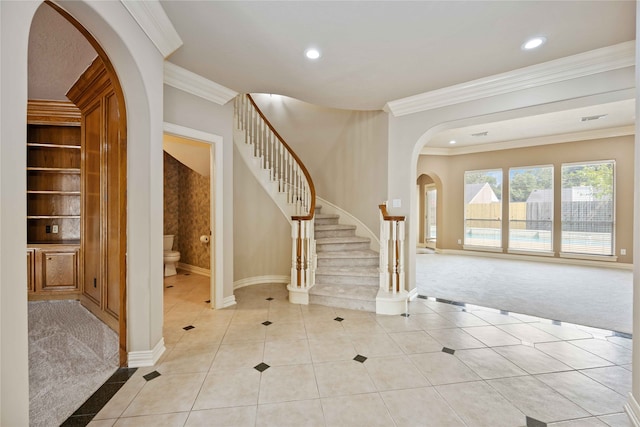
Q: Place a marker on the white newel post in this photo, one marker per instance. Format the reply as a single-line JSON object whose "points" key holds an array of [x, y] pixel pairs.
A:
{"points": [[392, 295]]}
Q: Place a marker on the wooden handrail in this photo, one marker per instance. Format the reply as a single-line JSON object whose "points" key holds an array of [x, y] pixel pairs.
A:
{"points": [[312, 189], [387, 217]]}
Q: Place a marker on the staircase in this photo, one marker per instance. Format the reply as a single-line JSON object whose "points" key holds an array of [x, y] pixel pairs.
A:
{"points": [[347, 273]]}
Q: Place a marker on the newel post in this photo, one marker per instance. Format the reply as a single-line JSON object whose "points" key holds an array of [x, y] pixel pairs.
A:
{"points": [[392, 295]]}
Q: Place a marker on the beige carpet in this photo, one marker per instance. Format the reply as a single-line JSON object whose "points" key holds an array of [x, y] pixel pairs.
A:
{"points": [[71, 354], [590, 296]]}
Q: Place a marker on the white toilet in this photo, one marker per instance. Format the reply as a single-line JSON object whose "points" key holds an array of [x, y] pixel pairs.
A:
{"points": [[170, 257]]}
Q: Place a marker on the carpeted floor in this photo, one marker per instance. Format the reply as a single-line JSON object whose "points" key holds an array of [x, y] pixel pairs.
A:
{"points": [[591, 296], [71, 354]]}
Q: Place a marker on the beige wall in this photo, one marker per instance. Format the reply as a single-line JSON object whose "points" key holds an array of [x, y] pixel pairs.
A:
{"points": [[345, 151], [448, 172], [187, 211], [261, 233]]}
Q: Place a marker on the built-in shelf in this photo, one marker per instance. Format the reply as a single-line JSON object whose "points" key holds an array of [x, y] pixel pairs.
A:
{"points": [[63, 170], [51, 145], [53, 216], [60, 193]]}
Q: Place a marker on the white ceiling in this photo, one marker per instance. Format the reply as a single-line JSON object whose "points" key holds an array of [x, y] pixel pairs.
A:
{"points": [[377, 51], [372, 52]]}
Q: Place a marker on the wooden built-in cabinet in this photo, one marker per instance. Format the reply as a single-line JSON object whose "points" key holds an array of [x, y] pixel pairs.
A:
{"points": [[53, 199], [103, 193]]}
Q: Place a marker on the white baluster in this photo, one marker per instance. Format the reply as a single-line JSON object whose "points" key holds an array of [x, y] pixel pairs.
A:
{"points": [[401, 285]]}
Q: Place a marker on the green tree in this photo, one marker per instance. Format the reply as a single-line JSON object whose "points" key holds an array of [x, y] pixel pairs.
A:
{"points": [[599, 176], [523, 181]]}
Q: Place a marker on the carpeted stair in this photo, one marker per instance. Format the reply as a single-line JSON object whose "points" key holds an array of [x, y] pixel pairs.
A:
{"points": [[347, 274]]}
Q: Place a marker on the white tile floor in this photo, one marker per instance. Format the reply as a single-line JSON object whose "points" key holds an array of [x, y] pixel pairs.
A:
{"points": [[504, 368]]}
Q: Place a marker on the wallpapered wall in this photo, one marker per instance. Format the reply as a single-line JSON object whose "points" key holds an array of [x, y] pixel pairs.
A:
{"points": [[186, 211]]}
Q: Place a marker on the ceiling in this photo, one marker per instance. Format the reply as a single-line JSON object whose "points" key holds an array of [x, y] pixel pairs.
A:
{"points": [[372, 52], [378, 51]]}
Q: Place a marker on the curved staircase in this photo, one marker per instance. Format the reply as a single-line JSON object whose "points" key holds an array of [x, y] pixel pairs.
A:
{"points": [[347, 275]]}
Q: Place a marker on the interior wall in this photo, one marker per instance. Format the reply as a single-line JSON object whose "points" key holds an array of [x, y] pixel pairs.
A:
{"points": [[451, 171], [345, 151], [186, 211], [261, 233]]}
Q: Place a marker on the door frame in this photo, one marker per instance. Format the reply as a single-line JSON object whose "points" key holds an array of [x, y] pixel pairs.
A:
{"points": [[215, 208]]}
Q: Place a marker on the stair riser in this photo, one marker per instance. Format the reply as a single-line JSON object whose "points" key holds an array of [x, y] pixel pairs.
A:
{"points": [[335, 247], [334, 233], [347, 262], [343, 303], [332, 279]]}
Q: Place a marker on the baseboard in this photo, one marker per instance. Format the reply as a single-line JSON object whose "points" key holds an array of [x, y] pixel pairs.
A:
{"points": [[261, 280], [229, 301], [633, 410], [413, 294], [139, 359], [546, 259], [194, 269]]}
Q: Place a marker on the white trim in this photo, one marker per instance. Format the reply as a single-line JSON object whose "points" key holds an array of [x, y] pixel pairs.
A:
{"points": [[217, 219], [600, 258], [481, 248], [531, 142], [569, 261], [392, 304], [531, 253], [155, 23], [601, 60], [195, 84], [194, 269], [633, 410], [229, 301], [139, 359], [346, 218], [261, 280], [413, 294]]}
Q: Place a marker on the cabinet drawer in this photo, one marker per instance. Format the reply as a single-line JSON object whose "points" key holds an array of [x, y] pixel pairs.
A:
{"points": [[59, 270]]}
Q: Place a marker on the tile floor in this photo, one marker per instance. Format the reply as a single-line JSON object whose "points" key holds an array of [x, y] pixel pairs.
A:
{"points": [[443, 365]]}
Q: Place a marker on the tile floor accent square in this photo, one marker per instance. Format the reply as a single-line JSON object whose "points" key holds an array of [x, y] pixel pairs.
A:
{"points": [[448, 350], [151, 375], [360, 358], [188, 328], [267, 323], [405, 315], [269, 299], [261, 367], [532, 422], [338, 319]]}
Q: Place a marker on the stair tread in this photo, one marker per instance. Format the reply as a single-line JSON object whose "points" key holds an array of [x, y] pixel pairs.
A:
{"points": [[348, 254], [329, 227], [362, 292], [348, 271], [332, 240]]}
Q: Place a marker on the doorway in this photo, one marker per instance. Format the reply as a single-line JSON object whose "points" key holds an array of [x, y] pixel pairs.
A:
{"points": [[200, 151]]}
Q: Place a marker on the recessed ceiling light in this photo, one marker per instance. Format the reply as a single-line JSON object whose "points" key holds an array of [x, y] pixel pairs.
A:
{"points": [[534, 43], [453, 141], [312, 53]]}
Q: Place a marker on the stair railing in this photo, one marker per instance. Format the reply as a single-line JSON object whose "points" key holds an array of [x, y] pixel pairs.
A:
{"points": [[391, 252], [293, 179]]}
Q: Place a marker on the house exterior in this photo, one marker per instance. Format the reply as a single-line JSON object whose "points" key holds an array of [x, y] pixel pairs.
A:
{"points": [[137, 50]]}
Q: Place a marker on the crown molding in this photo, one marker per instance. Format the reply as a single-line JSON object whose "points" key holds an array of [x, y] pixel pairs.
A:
{"points": [[571, 67], [192, 83], [531, 142], [155, 23]]}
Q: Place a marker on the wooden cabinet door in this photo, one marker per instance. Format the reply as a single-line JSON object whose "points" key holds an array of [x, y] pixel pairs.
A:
{"points": [[59, 270]]}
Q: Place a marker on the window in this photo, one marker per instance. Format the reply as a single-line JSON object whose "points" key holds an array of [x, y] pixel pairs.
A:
{"points": [[431, 201], [483, 208], [588, 208], [531, 208]]}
